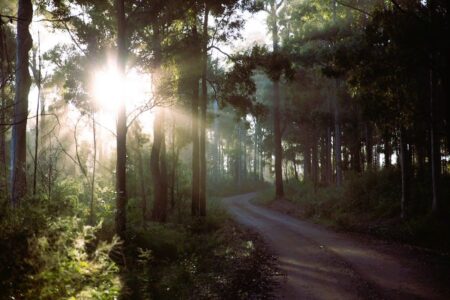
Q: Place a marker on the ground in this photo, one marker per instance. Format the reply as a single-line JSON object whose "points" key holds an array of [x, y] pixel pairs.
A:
{"points": [[320, 263]]}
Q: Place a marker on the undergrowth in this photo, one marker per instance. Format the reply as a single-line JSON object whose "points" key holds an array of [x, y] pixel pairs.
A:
{"points": [[211, 258], [370, 203], [48, 252]]}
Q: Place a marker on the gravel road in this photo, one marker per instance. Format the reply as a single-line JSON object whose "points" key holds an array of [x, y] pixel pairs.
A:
{"points": [[322, 264]]}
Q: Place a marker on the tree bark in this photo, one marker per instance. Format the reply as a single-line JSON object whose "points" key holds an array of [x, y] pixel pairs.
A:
{"points": [[337, 137], [369, 147], [140, 162], [314, 163], [405, 171], [94, 169], [158, 170], [121, 127], [195, 205], [387, 151], [306, 163], [22, 89], [203, 106], [435, 145], [279, 189]]}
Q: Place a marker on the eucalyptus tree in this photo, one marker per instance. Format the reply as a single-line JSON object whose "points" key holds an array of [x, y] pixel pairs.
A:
{"points": [[22, 89], [7, 50]]}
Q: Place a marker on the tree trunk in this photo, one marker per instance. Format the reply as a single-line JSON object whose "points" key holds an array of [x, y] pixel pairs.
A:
{"points": [[121, 125], [37, 76], [141, 183], [328, 154], [195, 209], [405, 171], [314, 163], [94, 169], [175, 155], [22, 89], [435, 145], [279, 190], [356, 154], [203, 106], [306, 163], [369, 147], [3, 129], [337, 121], [387, 151], [158, 170]]}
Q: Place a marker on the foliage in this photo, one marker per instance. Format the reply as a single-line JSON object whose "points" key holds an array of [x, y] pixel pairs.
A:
{"points": [[46, 254], [199, 259], [370, 204]]}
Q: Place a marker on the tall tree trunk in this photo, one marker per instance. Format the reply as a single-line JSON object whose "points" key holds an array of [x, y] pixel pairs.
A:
{"points": [[328, 154], [173, 173], [121, 125], [143, 193], [337, 121], [158, 170], [356, 153], [369, 146], [163, 174], [387, 150], [306, 163], [3, 163], [405, 171], [337, 137], [314, 163], [195, 209], [294, 164], [37, 76], [94, 169], [255, 151], [203, 106], [279, 189], [22, 89], [435, 145], [4, 74]]}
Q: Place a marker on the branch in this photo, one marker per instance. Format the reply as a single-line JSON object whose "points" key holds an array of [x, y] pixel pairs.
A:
{"points": [[354, 8], [279, 4], [77, 154], [221, 51], [397, 5], [211, 84], [73, 38]]}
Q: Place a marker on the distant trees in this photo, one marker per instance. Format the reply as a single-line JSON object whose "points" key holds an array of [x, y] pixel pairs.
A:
{"points": [[390, 97]]}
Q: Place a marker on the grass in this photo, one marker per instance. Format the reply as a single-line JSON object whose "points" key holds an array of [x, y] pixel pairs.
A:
{"points": [[210, 258], [370, 203]]}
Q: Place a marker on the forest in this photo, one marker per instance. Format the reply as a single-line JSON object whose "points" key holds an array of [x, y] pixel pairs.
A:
{"points": [[148, 146]]}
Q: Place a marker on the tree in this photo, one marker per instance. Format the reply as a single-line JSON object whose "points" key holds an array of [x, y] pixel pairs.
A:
{"points": [[22, 89], [121, 129]]}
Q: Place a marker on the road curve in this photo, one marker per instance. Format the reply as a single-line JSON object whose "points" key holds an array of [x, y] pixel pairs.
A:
{"points": [[322, 264]]}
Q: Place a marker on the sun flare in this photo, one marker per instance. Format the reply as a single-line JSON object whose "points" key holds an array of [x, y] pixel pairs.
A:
{"points": [[110, 89]]}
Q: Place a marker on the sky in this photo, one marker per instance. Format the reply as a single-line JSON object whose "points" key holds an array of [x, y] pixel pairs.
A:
{"points": [[254, 32]]}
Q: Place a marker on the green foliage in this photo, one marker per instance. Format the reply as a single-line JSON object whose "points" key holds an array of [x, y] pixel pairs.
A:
{"points": [[199, 259], [64, 266], [370, 203], [46, 253], [227, 187]]}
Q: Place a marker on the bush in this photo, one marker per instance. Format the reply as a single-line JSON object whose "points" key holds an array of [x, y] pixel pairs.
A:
{"points": [[370, 202], [46, 256], [202, 258]]}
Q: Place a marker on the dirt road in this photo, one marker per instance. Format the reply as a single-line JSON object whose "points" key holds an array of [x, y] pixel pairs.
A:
{"points": [[322, 264]]}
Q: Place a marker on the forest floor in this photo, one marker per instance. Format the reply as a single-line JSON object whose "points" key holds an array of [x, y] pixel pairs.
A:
{"points": [[320, 263]]}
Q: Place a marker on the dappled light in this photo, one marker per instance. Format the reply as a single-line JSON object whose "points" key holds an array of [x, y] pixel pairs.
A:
{"points": [[227, 149]]}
